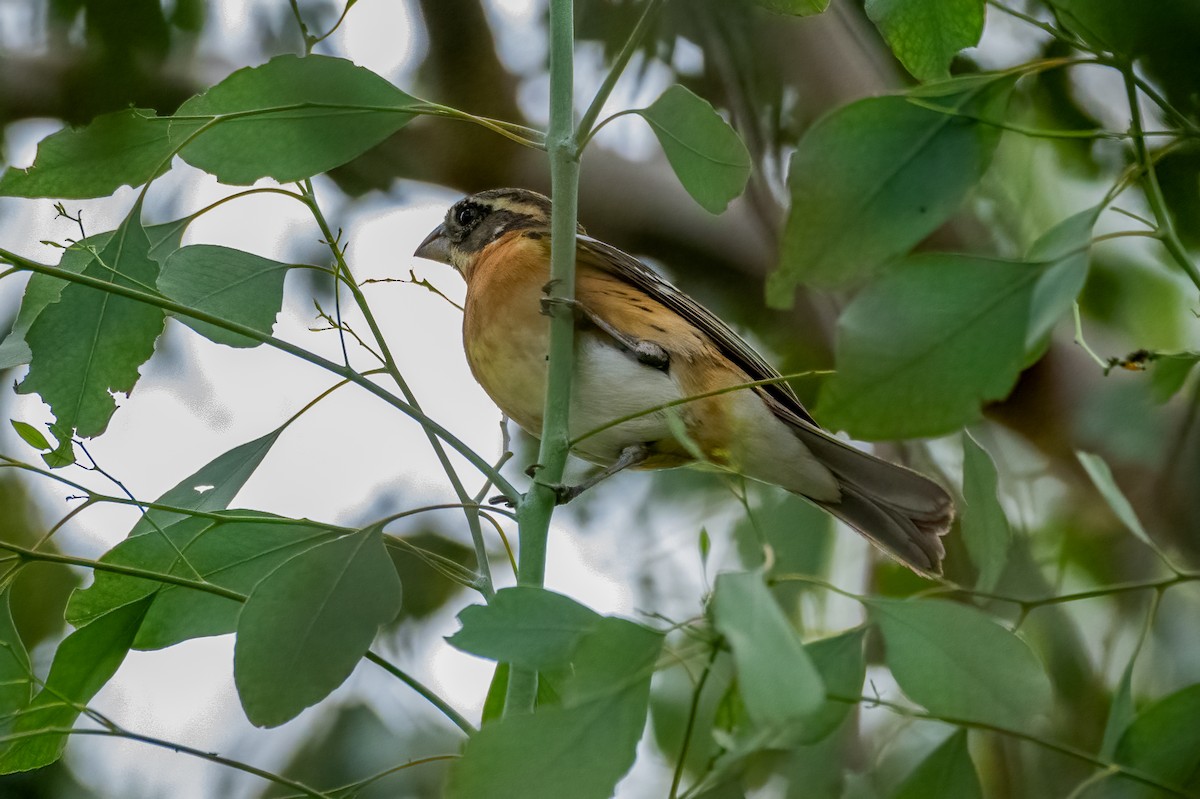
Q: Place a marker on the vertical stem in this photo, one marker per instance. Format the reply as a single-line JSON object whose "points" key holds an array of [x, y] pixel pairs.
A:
{"points": [[534, 511], [1154, 195]]}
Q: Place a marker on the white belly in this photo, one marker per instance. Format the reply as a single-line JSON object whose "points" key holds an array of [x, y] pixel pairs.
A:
{"points": [[608, 384]]}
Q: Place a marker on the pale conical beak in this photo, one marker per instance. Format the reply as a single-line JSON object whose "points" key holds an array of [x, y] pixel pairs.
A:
{"points": [[436, 246]]}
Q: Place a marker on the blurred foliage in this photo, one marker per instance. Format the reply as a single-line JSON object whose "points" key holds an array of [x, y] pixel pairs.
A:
{"points": [[1122, 665]]}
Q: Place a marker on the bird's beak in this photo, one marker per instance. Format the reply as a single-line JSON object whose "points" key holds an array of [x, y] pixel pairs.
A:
{"points": [[436, 246]]}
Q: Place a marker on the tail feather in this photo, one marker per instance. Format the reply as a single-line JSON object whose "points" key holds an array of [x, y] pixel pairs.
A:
{"points": [[902, 512]]}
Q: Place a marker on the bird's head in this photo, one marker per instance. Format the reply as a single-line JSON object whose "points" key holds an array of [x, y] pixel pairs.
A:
{"points": [[477, 220]]}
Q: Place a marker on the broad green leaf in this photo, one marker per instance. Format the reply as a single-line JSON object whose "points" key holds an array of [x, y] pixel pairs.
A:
{"points": [[124, 148], [708, 157], [83, 663], [1164, 742], [530, 627], [213, 486], [958, 663], [985, 528], [91, 343], [228, 283], [580, 748], [947, 773], [797, 8], [289, 119], [16, 681], [305, 626], [42, 290], [875, 177], [776, 678], [31, 435], [1063, 251], [1169, 372], [843, 668], [925, 35], [234, 555], [920, 349], [1102, 478]]}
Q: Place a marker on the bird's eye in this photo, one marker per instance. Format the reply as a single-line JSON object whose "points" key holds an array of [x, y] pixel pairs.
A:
{"points": [[467, 215]]}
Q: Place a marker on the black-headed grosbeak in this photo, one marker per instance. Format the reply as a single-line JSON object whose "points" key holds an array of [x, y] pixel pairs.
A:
{"points": [[640, 343]]}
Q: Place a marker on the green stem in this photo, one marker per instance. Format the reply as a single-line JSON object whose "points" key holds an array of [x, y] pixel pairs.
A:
{"points": [[1154, 195], [614, 73], [212, 757], [535, 509], [484, 581], [340, 370], [424, 691]]}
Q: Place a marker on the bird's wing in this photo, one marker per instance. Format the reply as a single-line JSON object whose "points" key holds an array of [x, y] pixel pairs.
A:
{"points": [[609, 259]]}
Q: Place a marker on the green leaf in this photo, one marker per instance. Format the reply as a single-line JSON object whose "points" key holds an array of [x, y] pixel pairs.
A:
{"points": [[16, 681], [985, 528], [234, 555], [42, 290], [530, 627], [797, 8], [925, 35], [1164, 742], [91, 343], [308, 623], [708, 157], [124, 148], [31, 435], [1169, 372], [1063, 250], [958, 663], [1102, 478], [213, 486], [873, 178], [83, 663], [289, 119], [920, 349], [776, 678], [580, 748], [843, 668], [947, 773], [228, 283]]}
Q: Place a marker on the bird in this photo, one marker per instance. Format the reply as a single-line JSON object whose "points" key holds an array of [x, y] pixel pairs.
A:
{"points": [[641, 343]]}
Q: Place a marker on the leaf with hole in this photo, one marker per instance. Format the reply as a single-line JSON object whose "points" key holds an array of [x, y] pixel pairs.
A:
{"points": [[707, 155], [306, 626], [91, 343], [289, 119], [43, 290]]}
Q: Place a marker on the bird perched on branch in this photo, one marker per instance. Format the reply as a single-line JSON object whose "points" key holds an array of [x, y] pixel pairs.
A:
{"points": [[640, 344]]}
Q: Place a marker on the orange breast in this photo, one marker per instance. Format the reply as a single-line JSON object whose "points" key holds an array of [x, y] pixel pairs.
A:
{"points": [[505, 335]]}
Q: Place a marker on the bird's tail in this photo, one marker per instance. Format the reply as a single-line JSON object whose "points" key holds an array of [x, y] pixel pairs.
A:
{"points": [[902, 512]]}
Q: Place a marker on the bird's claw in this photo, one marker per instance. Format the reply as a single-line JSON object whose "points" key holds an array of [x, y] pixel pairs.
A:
{"points": [[500, 499], [651, 354]]}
